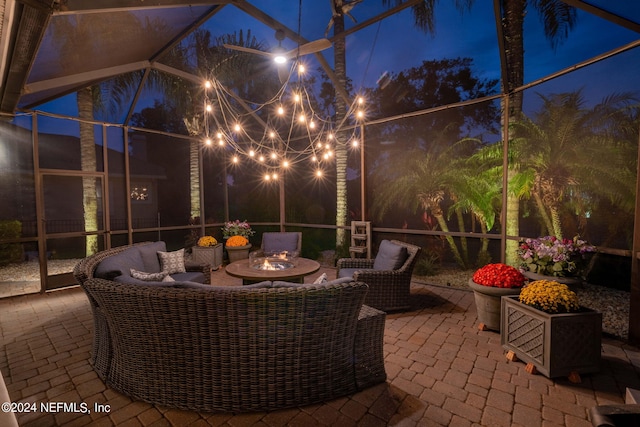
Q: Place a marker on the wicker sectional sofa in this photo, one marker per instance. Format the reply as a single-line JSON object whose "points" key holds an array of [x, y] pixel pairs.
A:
{"points": [[225, 348]]}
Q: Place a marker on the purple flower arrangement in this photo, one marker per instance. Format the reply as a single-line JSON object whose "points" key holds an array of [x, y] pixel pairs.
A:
{"points": [[551, 256]]}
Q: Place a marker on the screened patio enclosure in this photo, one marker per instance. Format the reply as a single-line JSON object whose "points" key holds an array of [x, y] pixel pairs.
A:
{"points": [[127, 121]]}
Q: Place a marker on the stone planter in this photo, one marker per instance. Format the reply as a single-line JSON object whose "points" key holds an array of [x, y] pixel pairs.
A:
{"points": [[236, 253], [211, 255], [556, 344], [487, 300]]}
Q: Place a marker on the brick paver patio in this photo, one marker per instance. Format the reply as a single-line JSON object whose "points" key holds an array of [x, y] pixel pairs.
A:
{"points": [[441, 371]]}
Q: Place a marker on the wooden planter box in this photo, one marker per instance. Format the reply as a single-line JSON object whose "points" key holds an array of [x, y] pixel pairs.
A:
{"points": [[556, 344], [211, 255]]}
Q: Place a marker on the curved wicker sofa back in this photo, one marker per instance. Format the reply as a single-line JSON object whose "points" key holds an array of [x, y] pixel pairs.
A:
{"points": [[239, 348]]}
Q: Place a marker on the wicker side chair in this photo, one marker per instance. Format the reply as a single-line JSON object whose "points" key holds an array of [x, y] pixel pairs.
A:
{"points": [[389, 290]]}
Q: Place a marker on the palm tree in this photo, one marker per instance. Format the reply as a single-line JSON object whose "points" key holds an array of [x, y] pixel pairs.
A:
{"points": [[423, 179], [558, 19], [576, 155]]}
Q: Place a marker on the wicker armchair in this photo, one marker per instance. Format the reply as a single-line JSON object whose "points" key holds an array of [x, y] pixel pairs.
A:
{"points": [[233, 348], [389, 290]]}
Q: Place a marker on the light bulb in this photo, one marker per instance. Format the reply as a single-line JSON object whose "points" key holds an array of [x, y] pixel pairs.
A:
{"points": [[209, 108], [280, 111], [319, 173], [302, 118], [261, 158], [235, 159], [207, 141], [301, 69], [355, 143], [312, 124], [274, 155], [274, 176], [296, 97], [314, 158], [207, 84], [267, 177], [285, 164], [360, 100], [252, 153], [272, 134], [237, 127], [360, 114], [330, 136]]}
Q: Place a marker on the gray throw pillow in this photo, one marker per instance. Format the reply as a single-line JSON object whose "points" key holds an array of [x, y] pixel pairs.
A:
{"points": [[172, 262], [390, 256]]}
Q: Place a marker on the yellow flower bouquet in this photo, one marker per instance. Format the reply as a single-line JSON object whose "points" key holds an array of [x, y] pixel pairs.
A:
{"points": [[206, 241], [237, 241], [549, 296]]}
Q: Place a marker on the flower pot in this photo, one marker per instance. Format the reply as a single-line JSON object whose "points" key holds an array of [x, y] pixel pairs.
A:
{"points": [[487, 300], [211, 255], [556, 344], [236, 253]]}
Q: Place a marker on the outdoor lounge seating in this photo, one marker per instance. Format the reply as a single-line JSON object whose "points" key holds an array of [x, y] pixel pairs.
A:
{"points": [[388, 275], [203, 347], [238, 348]]}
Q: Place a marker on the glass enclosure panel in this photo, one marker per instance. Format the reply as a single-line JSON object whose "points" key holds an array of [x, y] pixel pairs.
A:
{"points": [[60, 144], [62, 256], [544, 54], [214, 187], [19, 269], [579, 142], [17, 184], [64, 209], [117, 184], [160, 180]]}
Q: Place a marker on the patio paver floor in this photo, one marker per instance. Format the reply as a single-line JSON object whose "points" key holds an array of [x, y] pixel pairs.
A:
{"points": [[441, 371]]}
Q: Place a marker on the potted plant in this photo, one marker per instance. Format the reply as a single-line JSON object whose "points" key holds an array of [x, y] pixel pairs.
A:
{"points": [[489, 284], [547, 328], [237, 248], [208, 251], [551, 258]]}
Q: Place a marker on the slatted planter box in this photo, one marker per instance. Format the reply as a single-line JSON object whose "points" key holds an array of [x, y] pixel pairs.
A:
{"points": [[556, 344], [211, 255]]}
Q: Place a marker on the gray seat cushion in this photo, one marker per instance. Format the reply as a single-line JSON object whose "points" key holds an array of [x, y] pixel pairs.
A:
{"points": [[279, 242], [390, 256], [348, 272], [189, 276], [120, 264], [149, 254]]}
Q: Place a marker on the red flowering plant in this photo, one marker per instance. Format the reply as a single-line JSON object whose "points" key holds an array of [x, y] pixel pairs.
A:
{"points": [[499, 276]]}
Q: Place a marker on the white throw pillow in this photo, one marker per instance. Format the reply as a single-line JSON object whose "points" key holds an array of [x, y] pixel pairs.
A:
{"points": [[148, 277], [321, 279]]}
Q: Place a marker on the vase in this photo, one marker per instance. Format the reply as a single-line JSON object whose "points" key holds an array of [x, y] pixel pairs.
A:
{"points": [[487, 300], [564, 344], [572, 282], [236, 253], [211, 255]]}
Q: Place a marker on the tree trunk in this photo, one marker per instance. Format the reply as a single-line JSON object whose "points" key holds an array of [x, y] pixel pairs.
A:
{"points": [[513, 27], [88, 164], [339, 50]]}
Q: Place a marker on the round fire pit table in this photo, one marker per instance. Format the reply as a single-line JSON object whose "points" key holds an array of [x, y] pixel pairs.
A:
{"points": [[294, 273]]}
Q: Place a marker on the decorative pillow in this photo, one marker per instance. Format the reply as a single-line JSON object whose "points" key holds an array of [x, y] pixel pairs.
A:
{"points": [[168, 278], [390, 256], [148, 277], [321, 279], [172, 262]]}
